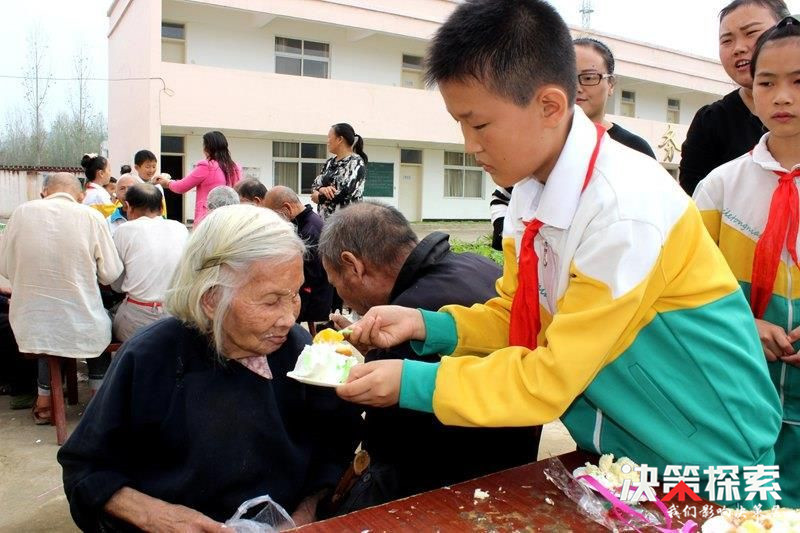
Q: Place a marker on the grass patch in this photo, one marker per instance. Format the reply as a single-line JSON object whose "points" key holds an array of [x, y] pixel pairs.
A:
{"points": [[482, 246]]}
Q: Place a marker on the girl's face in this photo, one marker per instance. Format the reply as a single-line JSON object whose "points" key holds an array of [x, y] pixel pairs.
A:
{"points": [[776, 87], [103, 175], [112, 189], [738, 33], [592, 98]]}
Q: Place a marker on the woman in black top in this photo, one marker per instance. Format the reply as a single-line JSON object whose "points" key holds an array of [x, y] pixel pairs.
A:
{"points": [[197, 414], [342, 179], [595, 64], [726, 129]]}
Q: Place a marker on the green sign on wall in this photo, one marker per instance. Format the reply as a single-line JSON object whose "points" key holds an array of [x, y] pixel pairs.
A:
{"points": [[380, 180]]}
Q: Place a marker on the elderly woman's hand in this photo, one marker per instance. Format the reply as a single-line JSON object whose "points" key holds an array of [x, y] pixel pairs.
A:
{"points": [[152, 514]]}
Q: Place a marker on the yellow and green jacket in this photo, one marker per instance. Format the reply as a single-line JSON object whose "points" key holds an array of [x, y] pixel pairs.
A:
{"points": [[647, 347], [734, 200]]}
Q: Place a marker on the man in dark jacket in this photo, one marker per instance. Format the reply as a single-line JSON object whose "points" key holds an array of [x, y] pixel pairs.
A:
{"points": [[316, 293], [372, 257]]}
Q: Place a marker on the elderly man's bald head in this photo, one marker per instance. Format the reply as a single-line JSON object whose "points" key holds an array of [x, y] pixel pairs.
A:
{"points": [[63, 182], [279, 195], [125, 182]]}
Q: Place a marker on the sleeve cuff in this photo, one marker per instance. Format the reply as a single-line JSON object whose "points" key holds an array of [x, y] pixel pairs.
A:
{"points": [[417, 385], [441, 336]]}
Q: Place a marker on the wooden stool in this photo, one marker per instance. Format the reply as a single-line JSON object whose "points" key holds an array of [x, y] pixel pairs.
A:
{"points": [[57, 408]]}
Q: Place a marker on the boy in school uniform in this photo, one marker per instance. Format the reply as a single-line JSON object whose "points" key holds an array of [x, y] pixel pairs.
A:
{"points": [[144, 164], [750, 207], [616, 312]]}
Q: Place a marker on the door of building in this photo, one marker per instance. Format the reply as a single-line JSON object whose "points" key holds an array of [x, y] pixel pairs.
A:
{"points": [[410, 191], [173, 165]]}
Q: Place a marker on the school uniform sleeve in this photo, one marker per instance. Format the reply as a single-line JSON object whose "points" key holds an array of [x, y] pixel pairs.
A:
{"points": [[200, 172], [109, 265], [514, 386], [708, 197]]}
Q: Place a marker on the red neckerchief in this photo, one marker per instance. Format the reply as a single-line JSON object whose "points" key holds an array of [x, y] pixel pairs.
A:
{"points": [[525, 320], [781, 229]]}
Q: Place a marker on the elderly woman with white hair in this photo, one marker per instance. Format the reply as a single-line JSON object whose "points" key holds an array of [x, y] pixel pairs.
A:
{"points": [[197, 414]]}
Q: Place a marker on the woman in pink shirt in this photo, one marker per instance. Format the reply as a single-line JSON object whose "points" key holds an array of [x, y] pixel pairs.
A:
{"points": [[216, 169]]}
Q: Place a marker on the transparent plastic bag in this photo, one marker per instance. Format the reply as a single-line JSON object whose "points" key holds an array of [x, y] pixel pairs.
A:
{"points": [[607, 510], [270, 519]]}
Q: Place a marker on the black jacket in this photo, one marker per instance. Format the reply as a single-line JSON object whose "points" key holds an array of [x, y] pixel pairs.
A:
{"points": [[425, 453], [172, 422], [720, 132], [316, 293]]}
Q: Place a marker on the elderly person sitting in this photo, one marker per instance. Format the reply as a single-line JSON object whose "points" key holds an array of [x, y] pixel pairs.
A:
{"points": [[221, 196], [197, 414], [251, 191]]}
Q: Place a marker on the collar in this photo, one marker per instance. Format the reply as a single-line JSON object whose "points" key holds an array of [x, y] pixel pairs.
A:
{"points": [[562, 192], [301, 217], [63, 196], [93, 185], [763, 158], [427, 252], [117, 215]]}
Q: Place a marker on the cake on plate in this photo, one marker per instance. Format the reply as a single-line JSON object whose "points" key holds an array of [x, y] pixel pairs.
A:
{"points": [[327, 361]]}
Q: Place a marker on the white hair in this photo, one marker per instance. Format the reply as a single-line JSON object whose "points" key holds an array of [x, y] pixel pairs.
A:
{"points": [[217, 258], [221, 196]]}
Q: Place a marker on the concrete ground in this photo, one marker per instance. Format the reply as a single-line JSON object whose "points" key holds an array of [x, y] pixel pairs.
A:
{"points": [[31, 493]]}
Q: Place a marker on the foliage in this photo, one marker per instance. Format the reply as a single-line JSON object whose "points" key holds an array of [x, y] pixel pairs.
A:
{"points": [[482, 246]]}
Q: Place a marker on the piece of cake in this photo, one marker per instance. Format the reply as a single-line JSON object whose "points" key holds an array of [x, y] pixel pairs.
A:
{"points": [[328, 360]]}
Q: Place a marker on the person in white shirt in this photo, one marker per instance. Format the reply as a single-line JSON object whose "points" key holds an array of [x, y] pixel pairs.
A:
{"points": [[120, 216], [150, 247], [54, 251]]}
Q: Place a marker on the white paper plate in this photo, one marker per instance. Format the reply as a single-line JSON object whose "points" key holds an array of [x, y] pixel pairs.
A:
{"points": [[307, 381]]}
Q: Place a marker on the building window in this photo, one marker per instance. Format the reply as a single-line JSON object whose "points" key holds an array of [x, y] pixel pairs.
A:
{"points": [[673, 110], [410, 157], [173, 42], [627, 104], [171, 144], [301, 58], [412, 76], [463, 178], [296, 165]]}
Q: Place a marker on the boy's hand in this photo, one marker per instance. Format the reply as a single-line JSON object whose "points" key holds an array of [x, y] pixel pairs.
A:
{"points": [[793, 359], [376, 383], [385, 326], [776, 343]]}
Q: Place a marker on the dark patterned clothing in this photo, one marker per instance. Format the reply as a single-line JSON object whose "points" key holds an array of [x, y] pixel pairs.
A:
{"points": [[347, 175]]}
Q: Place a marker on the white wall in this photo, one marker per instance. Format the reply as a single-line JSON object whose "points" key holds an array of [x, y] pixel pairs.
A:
{"points": [[231, 39], [651, 100]]}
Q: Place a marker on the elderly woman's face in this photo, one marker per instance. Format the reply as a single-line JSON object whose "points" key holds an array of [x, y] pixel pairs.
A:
{"points": [[264, 309]]}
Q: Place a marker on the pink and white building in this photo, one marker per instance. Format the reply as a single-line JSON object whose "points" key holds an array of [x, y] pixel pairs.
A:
{"points": [[273, 75]]}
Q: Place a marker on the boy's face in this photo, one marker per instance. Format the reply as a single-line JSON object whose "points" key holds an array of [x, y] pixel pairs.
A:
{"points": [[510, 142], [776, 90], [738, 33], [146, 170]]}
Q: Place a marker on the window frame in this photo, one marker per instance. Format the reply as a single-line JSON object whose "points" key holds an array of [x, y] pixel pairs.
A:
{"points": [[302, 57], [623, 100], [676, 109], [299, 160], [463, 167], [419, 150]]}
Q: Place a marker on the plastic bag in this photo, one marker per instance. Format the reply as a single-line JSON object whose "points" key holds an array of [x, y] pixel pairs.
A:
{"points": [[607, 510], [270, 519]]}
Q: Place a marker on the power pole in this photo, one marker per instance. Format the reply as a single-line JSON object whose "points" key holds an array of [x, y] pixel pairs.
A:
{"points": [[586, 13]]}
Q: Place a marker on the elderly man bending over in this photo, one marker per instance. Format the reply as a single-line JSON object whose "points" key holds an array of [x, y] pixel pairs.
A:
{"points": [[372, 257], [150, 247], [316, 293], [54, 252], [197, 414]]}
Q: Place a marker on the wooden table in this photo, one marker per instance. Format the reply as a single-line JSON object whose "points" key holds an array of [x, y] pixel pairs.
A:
{"points": [[516, 502]]}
